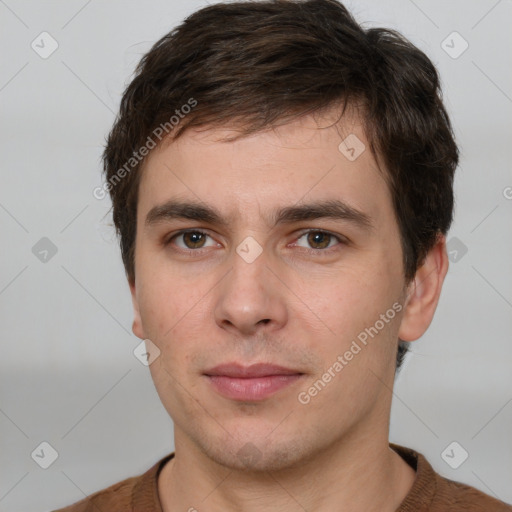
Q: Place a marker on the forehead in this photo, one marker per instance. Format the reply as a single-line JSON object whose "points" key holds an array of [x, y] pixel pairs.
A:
{"points": [[311, 158]]}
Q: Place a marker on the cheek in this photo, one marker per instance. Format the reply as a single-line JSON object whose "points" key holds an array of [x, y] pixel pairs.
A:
{"points": [[344, 298], [162, 300], [360, 305], [156, 306], [173, 313]]}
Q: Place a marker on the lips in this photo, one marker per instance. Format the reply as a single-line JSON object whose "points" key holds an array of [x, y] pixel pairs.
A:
{"points": [[250, 383], [235, 370]]}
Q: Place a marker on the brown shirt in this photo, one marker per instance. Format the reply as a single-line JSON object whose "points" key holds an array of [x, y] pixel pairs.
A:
{"points": [[429, 493]]}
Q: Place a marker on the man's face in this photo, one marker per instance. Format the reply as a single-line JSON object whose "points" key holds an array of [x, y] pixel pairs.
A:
{"points": [[296, 293]]}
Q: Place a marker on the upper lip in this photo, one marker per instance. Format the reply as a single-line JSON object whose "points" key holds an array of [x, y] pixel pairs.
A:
{"points": [[236, 370]]}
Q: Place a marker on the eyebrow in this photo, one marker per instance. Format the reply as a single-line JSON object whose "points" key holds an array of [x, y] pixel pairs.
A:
{"points": [[329, 209]]}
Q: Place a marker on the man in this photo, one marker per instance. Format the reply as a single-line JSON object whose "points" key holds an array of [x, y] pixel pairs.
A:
{"points": [[281, 183]]}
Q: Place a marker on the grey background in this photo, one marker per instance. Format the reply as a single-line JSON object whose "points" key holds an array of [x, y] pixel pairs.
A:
{"points": [[68, 375]]}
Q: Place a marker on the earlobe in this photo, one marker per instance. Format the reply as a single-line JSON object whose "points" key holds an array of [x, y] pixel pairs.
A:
{"points": [[423, 293], [137, 323]]}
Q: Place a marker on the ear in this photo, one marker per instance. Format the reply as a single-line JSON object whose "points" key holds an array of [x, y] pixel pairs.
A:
{"points": [[423, 292], [137, 323]]}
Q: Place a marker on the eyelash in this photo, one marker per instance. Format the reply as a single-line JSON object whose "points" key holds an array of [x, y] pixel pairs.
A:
{"points": [[316, 252]]}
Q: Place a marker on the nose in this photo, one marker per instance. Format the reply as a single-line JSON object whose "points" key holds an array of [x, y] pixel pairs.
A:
{"points": [[250, 298]]}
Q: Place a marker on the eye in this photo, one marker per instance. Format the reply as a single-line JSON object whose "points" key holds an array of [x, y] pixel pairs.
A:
{"points": [[191, 239], [319, 240]]}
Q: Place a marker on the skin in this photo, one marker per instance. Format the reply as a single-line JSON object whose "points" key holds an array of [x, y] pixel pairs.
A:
{"points": [[205, 308]]}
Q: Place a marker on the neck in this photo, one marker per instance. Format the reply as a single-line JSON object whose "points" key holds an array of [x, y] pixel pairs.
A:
{"points": [[361, 471]]}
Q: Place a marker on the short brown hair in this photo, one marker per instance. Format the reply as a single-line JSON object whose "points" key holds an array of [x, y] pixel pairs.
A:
{"points": [[257, 63]]}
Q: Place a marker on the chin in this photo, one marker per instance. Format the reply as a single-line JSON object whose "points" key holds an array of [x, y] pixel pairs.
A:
{"points": [[256, 455]]}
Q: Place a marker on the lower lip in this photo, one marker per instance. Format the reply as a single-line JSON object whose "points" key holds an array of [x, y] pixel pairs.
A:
{"points": [[251, 389]]}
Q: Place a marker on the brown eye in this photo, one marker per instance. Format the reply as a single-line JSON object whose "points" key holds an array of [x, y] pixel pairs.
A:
{"points": [[318, 240], [194, 239], [190, 240]]}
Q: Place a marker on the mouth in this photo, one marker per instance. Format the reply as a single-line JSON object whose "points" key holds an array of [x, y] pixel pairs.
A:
{"points": [[251, 383]]}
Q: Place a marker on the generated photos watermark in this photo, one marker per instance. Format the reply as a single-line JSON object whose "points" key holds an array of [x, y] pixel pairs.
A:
{"points": [[305, 397], [158, 133]]}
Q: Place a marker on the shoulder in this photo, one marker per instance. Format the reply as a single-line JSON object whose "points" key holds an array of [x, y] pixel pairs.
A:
{"points": [[113, 498], [134, 493], [432, 492], [453, 495]]}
